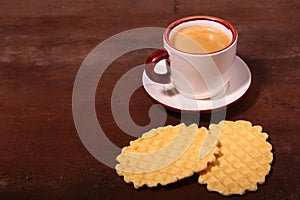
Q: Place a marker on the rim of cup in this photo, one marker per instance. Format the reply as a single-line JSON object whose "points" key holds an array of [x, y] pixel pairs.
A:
{"points": [[223, 22]]}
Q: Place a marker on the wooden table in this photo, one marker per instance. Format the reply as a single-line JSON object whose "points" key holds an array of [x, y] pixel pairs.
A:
{"points": [[43, 44]]}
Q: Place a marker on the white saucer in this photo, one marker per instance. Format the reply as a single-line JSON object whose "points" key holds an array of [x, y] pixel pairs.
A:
{"points": [[167, 95]]}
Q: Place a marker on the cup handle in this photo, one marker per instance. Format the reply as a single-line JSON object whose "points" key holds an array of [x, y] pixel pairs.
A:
{"points": [[151, 62]]}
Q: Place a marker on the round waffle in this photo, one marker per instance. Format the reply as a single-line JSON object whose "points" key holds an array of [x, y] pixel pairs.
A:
{"points": [[244, 158], [165, 155]]}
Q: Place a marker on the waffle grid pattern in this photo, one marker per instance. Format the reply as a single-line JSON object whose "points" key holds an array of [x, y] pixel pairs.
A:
{"points": [[244, 159], [184, 166]]}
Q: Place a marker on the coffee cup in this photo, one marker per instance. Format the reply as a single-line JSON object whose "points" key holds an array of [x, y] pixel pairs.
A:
{"points": [[199, 53]]}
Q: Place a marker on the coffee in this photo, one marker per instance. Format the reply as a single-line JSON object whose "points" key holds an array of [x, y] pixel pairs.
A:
{"points": [[198, 75], [199, 39]]}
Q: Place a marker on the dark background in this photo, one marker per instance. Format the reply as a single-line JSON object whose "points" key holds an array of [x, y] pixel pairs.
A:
{"points": [[42, 45]]}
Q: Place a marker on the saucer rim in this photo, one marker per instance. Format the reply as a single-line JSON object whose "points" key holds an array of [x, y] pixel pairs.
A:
{"points": [[206, 110]]}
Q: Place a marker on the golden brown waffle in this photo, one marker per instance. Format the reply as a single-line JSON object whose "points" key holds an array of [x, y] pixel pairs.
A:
{"points": [[244, 159], [164, 155]]}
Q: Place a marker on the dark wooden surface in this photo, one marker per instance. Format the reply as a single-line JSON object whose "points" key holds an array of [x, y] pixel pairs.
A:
{"points": [[43, 44]]}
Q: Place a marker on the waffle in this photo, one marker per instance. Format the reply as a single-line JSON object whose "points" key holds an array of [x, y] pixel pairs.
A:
{"points": [[244, 159], [165, 155]]}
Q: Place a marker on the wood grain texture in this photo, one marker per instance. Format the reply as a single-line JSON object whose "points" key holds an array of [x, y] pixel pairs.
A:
{"points": [[42, 45]]}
